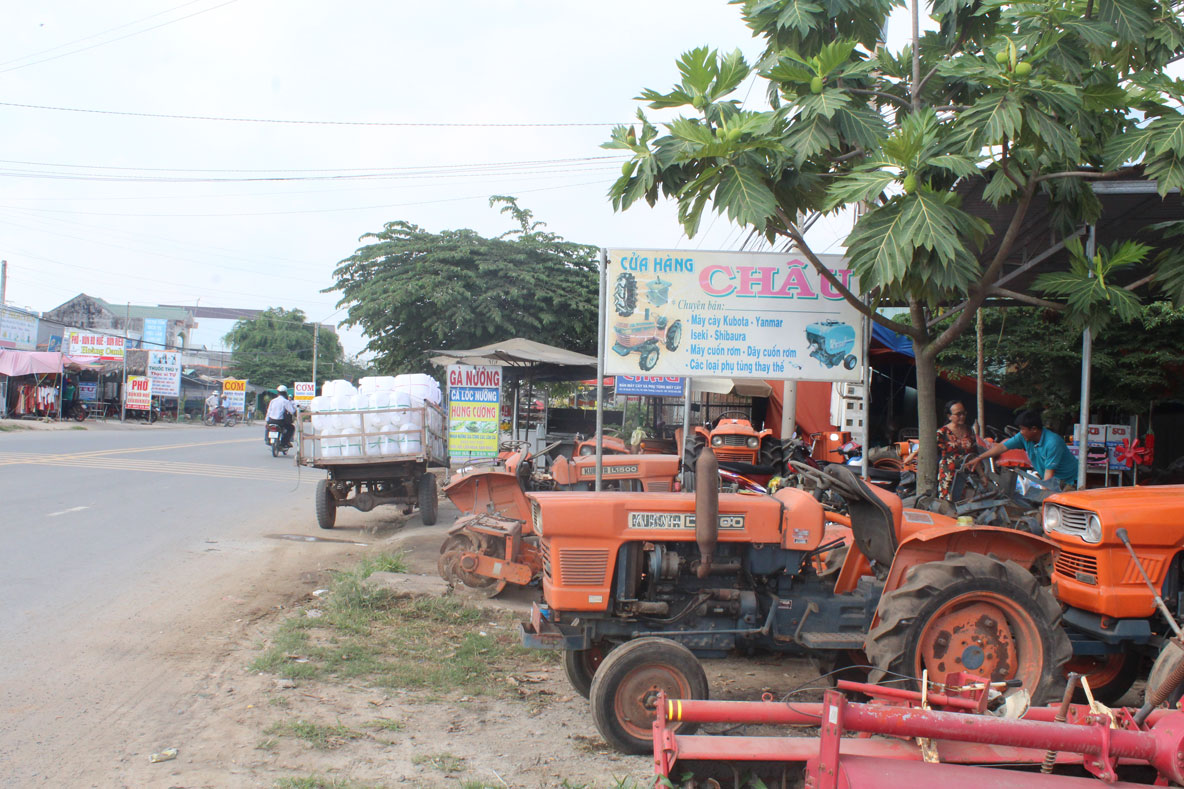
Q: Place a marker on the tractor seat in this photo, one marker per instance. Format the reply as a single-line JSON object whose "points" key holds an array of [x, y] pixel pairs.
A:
{"points": [[875, 516]]}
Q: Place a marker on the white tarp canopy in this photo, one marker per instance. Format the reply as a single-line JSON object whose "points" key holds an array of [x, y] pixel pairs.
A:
{"points": [[515, 352], [748, 387]]}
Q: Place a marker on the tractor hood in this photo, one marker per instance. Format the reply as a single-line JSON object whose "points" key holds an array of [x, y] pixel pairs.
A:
{"points": [[1143, 506]]}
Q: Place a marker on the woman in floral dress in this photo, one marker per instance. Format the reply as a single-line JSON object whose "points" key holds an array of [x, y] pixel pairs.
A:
{"points": [[955, 440]]}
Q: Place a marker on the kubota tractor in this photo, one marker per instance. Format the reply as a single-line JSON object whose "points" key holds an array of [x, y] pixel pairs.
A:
{"points": [[1110, 610], [739, 447], [638, 587]]}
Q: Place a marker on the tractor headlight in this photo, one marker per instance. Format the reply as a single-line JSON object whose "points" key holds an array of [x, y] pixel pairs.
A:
{"points": [[1052, 519], [717, 441], [1093, 530], [753, 442]]}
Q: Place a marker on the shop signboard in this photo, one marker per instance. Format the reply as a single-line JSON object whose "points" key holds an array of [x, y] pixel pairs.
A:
{"points": [[18, 329], [474, 402], [730, 314], [155, 333], [88, 390], [164, 368], [95, 347], [651, 385], [138, 391], [235, 391], [303, 391]]}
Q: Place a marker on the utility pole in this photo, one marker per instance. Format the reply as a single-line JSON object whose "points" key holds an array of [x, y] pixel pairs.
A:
{"points": [[3, 281], [127, 316], [316, 333]]}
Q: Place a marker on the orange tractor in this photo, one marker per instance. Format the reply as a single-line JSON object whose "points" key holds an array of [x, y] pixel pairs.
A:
{"points": [[638, 587], [739, 447], [1119, 576]]}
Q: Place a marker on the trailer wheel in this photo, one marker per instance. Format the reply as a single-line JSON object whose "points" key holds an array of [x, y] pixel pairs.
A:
{"points": [[429, 499], [1110, 676], [975, 613], [326, 505], [625, 690], [580, 665]]}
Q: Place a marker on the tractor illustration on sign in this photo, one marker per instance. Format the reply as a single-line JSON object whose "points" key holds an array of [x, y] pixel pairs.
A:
{"points": [[646, 333], [831, 342]]}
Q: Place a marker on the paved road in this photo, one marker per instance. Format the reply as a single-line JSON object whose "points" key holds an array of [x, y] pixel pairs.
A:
{"points": [[110, 529]]}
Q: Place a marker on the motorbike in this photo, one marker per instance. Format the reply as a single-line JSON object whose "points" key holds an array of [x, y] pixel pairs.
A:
{"points": [[219, 417], [274, 437]]}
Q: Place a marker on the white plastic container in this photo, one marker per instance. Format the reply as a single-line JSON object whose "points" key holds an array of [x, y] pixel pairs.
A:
{"points": [[377, 403], [412, 438], [352, 443]]}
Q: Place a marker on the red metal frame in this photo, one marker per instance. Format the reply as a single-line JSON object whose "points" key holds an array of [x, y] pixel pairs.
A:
{"points": [[959, 738]]}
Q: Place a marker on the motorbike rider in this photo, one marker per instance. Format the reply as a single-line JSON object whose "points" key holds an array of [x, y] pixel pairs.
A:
{"points": [[213, 404], [281, 412]]}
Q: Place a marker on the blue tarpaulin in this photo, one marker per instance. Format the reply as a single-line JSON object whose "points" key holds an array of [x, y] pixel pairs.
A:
{"points": [[892, 341]]}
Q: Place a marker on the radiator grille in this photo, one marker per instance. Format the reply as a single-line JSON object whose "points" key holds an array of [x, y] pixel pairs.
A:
{"points": [[744, 455], [1069, 564], [583, 566], [734, 440], [1074, 521], [659, 487]]}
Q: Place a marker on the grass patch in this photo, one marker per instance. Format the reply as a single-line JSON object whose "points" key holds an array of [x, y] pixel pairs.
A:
{"points": [[77, 427], [444, 762], [13, 428], [438, 645], [319, 736], [321, 782], [386, 724]]}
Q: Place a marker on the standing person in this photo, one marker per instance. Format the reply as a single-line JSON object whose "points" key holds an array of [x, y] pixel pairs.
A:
{"points": [[1046, 450], [955, 439]]}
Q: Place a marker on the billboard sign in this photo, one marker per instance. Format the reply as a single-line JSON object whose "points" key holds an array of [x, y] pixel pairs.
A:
{"points": [[88, 390], [474, 402], [235, 392], [18, 329], [95, 347], [155, 333], [730, 315], [649, 385], [303, 391], [138, 393], [164, 368]]}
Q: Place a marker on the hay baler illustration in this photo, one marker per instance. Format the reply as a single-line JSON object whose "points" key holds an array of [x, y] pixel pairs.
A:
{"points": [[831, 342]]}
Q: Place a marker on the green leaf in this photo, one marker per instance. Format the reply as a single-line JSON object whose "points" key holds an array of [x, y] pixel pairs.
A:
{"points": [[860, 186], [698, 69], [1124, 148], [834, 54], [999, 188], [1092, 31], [860, 125], [1098, 98], [1055, 137], [995, 117], [692, 130], [961, 166], [1168, 171], [808, 138], [744, 196], [880, 246], [1130, 21], [1167, 134], [826, 103], [799, 15]]}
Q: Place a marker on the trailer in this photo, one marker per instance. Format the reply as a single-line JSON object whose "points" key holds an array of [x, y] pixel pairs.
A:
{"points": [[388, 458]]}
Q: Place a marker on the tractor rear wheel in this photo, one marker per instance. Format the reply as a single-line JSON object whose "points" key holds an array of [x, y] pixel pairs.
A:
{"points": [[580, 665], [690, 454], [772, 453], [625, 294], [625, 690], [1109, 676], [972, 613]]}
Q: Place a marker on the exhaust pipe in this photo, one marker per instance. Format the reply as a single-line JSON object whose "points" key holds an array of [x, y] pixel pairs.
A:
{"points": [[706, 508]]}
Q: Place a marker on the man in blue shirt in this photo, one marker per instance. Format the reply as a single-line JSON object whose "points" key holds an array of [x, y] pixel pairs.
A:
{"points": [[1047, 451]]}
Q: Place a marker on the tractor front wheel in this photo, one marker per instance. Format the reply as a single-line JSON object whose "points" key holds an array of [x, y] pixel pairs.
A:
{"points": [[1109, 676], [971, 613], [649, 357], [580, 665], [625, 689]]}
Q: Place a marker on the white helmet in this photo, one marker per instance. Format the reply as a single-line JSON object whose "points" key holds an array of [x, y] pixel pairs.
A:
{"points": [[282, 388]]}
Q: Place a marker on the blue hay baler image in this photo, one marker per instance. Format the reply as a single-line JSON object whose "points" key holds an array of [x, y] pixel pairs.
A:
{"points": [[830, 342]]}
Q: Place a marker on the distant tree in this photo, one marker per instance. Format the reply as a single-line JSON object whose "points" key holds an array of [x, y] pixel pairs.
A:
{"points": [[276, 348], [1134, 363], [412, 291]]}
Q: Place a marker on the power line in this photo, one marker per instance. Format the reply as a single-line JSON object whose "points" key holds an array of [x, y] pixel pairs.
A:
{"points": [[113, 40], [294, 122]]}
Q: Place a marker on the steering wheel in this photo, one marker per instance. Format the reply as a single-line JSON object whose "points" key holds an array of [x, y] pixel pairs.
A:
{"points": [[823, 479], [513, 446], [731, 415]]}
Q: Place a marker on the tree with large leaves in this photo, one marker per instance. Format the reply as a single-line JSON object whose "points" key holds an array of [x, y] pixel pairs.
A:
{"points": [[1019, 99], [276, 348], [412, 290]]}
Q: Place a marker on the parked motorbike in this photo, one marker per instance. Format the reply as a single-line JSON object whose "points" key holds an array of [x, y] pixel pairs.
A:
{"points": [[274, 437], [218, 417]]}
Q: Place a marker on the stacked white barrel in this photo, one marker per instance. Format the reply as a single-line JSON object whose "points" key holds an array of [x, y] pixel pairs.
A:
{"points": [[386, 424]]}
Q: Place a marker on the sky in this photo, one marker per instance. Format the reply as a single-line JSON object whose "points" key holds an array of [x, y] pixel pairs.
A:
{"points": [[467, 99]]}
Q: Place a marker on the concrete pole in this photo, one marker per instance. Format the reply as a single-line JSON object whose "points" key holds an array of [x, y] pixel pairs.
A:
{"points": [[600, 349], [1087, 352], [316, 333], [789, 408], [127, 315], [3, 281]]}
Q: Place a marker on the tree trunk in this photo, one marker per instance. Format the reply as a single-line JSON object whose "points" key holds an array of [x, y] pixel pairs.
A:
{"points": [[926, 417]]}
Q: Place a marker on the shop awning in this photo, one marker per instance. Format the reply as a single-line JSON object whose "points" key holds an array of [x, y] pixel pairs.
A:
{"points": [[14, 363]]}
